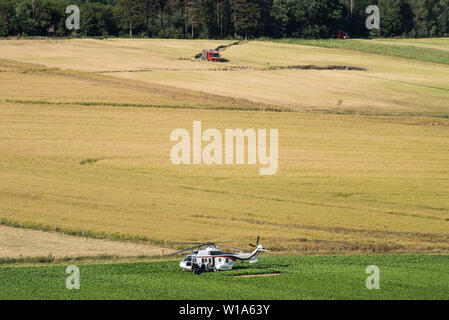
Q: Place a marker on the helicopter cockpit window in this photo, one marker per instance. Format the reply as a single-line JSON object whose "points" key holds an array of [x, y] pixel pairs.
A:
{"points": [[188, 259]]}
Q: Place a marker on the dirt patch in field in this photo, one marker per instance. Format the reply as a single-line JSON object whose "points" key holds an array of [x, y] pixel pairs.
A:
{"points": [[24, 243], [89, 161], [258, 275], [430, 123]]}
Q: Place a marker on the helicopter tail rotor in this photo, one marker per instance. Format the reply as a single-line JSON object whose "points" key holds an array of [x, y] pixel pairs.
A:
{"points": [[257, 243]]}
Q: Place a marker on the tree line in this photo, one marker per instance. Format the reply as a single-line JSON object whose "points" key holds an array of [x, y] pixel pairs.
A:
{"points": [[224, 18]]}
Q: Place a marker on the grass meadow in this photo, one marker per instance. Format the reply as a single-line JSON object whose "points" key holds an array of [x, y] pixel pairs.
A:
{"points": [[431, 50], [318, 277]]}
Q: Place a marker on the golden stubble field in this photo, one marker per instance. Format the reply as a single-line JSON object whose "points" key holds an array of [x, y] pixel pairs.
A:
{"points": [[390, 85], [346, 182], [21, 243], [343, 181]]}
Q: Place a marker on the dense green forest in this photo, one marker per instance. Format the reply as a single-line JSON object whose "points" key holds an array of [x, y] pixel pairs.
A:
{"points": [[224, 18]]}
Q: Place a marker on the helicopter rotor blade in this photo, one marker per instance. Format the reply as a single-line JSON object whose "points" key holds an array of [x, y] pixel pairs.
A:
{"points": [[235, 248], [230, 241], [207, 243], [185, 243], [187, 249]]}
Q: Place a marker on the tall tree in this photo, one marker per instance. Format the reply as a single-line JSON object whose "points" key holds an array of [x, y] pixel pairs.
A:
{"points": [[246, 17], [130, 14], [421, 12], [96, 19], [207, 17], [441, 12], [7, 11], [395, 20], [280, 13], [191, 12], [23, 22]]}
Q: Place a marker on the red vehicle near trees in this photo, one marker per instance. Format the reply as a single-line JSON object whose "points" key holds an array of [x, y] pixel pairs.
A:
{"points": [[343, 35], [210, 55]]}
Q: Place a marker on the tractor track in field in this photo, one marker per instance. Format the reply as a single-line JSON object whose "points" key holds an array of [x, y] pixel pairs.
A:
{"points": [[228, 68], [236, 68], [223, 47]]}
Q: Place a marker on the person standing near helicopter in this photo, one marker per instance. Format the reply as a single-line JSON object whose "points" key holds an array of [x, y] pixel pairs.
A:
{"points": [[196, 268]]}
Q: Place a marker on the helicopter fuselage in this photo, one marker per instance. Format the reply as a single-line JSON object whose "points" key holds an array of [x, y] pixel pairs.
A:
{"points": [[213, 259]]}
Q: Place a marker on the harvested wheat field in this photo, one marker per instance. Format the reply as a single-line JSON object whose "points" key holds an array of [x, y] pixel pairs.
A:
{"points": [[256, 71], [28, 243], [363, 157]]}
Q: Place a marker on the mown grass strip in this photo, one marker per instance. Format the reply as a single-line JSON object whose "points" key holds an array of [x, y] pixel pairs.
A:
{"points": [[139, 105], [229, 108], [409, 51]]}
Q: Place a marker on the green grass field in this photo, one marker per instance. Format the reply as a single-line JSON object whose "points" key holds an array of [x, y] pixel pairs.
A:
{"points": [[431, 50], [310, 277]]}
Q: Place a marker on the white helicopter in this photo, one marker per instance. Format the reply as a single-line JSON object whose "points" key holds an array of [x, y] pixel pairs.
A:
{"points": [[210, 258]]}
